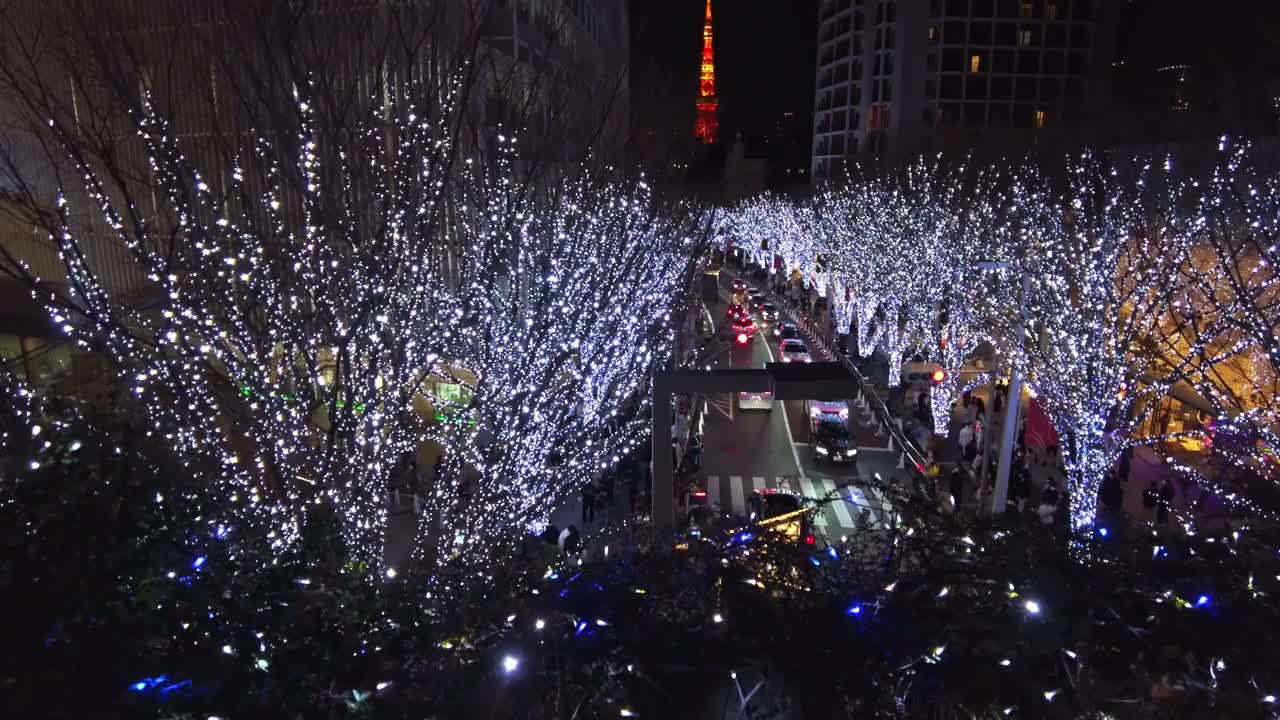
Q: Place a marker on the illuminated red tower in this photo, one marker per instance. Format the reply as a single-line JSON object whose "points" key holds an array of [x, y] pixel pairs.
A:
{"points": [[707, 126]]}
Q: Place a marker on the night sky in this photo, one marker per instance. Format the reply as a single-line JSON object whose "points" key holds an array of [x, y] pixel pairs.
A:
{"points": [[764, 64]]}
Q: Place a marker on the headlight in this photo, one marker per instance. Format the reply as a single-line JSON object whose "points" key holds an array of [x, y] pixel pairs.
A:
{"points": [[851, 452], [821, 450], [814, 412], [844, 413]]}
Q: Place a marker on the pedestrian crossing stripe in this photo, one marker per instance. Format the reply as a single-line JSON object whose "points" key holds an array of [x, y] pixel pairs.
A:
{"points": [[846, 502]]}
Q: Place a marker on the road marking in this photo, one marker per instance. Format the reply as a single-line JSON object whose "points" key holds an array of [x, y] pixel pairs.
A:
{"points": [[713, 490], [839, 506], [757, 483], [807, 489], [787, 423], [737, 502]]}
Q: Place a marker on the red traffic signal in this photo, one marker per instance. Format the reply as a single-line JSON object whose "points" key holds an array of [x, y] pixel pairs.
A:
{"points": [[742, 338], [939, 375]]}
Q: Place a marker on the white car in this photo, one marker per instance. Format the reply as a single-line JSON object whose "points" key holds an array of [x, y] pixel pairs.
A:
{"points": [[827, 408], [794, 351], [755, 400]]}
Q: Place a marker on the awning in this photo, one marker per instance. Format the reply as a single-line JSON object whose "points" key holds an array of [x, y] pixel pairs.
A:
{"points": [[1040, 432]]}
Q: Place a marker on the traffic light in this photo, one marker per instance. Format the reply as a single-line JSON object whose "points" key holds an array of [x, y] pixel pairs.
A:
{"points": [[742, 338], [938, 376]]}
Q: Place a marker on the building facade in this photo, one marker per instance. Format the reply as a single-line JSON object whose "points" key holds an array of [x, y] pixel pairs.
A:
{"points": [[899, 77]]}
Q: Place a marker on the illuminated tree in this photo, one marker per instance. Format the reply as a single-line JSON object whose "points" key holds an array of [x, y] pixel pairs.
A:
{"points": [[1231, 284], [563, 311], [303, 292], [1103, 259]]}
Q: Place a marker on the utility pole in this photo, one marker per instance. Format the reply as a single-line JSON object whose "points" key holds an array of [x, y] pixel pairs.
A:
{"points": [[1009, 432]]}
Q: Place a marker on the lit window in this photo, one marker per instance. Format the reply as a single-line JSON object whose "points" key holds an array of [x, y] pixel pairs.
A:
{"points": [[1024, 38], [975, 63], [1027, 7], [1051, 10], [933, 33], [1039, 119]]}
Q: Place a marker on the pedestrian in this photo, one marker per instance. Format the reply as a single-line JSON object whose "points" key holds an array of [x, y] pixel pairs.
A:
{"points": [[1164, 501], [1048, 503], [589, 503], [1150, 498], [965, 438], [956, 487], [572, 540], [981, 412], [1018, 487], [550, 535], [1110, 494]]}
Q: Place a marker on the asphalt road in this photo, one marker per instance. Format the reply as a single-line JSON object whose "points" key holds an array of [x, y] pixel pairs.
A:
{"points": [[761, 449]]}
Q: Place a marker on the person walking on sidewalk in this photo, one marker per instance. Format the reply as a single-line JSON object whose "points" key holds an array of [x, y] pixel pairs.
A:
{"points": [[589, 503], [1164, 501]]}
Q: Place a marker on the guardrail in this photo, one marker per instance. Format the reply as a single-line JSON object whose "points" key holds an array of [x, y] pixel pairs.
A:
{"points": [[912, 457]]}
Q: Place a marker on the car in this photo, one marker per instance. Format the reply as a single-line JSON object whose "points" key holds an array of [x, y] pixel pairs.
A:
{"points": [[832, 443], [735, 311], [738, 286], [785, 331], [755, 400], [794, 351], [783, 512], [743, 325], [769, 312], [819, 409], [738, 297]]}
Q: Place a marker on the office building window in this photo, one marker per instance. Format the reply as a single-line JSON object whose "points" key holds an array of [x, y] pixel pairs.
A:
{"points": [[933, 34], [1051, 10], [952, 87], [1028, 8], [975, 63], [1024, 37], [1039, 119]]}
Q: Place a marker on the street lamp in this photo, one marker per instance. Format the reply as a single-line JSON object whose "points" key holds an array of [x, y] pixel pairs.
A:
{"points": [[1009, 431]]}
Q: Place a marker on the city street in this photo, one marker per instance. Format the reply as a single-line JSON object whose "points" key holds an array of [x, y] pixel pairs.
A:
{"points": [[771, 449]]}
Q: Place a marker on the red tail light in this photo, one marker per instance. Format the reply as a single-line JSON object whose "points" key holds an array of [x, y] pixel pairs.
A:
{"points": [[808, 540], [700, 493], [742, 338]]}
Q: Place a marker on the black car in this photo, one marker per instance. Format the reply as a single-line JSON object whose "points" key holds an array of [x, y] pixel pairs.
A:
{"points": [[785, 331], [832, 443]]}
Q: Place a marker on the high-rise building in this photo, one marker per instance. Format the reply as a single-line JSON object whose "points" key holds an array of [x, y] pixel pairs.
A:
{"points": [[902, 77], [707, 126]]}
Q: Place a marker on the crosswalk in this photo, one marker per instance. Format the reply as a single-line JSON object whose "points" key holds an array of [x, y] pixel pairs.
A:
{"points": [[729, 494]]}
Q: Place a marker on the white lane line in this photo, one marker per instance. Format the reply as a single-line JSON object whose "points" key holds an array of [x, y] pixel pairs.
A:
{"points": [[807, 489], [713, 490], [739, 503], [786, 423], [757, 483], [838, 505]]}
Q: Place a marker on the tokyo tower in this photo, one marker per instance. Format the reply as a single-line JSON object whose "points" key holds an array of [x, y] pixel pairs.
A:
{"points": [[707, 126]]}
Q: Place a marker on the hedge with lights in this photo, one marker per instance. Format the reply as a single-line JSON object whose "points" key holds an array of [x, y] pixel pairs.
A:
{"points": [[932, 616]]}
